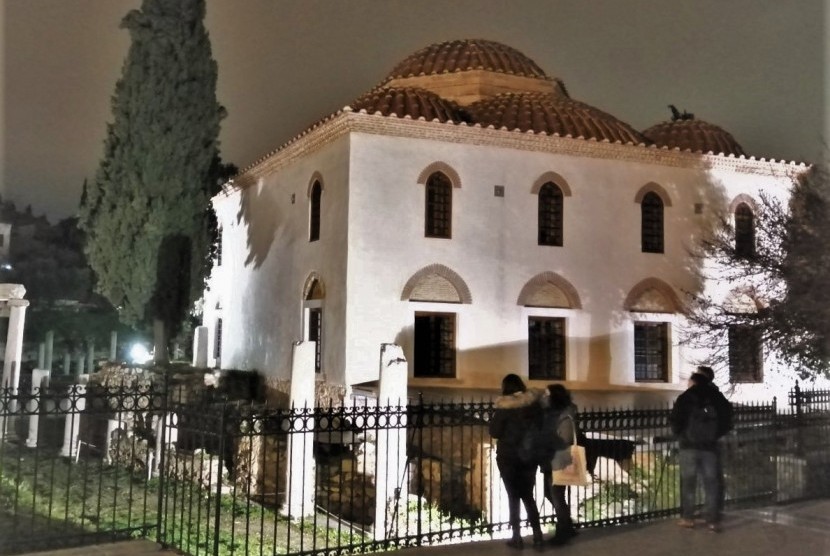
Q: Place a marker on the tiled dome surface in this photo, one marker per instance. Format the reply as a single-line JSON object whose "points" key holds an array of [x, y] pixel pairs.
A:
{"points": [[552, 113], [469, 54], [408, 101], [694, 135]]}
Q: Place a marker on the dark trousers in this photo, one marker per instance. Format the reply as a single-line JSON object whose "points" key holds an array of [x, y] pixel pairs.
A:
{"points": [[703, 464], [556, 496], [519, 479]]}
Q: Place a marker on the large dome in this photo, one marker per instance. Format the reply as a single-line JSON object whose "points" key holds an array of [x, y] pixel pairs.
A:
{"points": [[408, 101], [687, 133], [552, 113], [464, 55]]}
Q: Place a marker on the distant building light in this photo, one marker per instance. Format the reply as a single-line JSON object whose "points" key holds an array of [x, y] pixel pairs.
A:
{"points": [[140, 354], [6, 266]]}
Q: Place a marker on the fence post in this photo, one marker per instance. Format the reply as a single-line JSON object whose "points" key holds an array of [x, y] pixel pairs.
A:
{"points": [[162, 467], [218, 507], [799, 419], [419, 420]]}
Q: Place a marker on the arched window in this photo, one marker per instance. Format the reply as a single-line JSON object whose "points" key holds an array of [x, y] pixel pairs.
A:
{"points": [[438, 218], [315, 295], [744, 231], [550, 215], [314, 212], [651, 209]]}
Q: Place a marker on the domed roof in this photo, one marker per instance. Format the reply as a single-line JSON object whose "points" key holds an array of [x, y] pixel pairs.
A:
{"points": [[408, 101], [687, 133], [552, 113], [467, 54]]}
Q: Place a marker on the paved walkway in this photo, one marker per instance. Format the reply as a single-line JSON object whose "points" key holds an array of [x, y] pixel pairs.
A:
{"points": [[801, 529]]}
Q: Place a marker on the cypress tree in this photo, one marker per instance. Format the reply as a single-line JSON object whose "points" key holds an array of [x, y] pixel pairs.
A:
{"points": [[146, 215]]}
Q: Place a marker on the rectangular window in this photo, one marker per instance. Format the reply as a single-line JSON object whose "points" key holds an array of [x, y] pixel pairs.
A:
{"points": [[315, 334], [219, 248], [435, 345], [651, 351], [746, 363], [217, 342], [546, 348]]}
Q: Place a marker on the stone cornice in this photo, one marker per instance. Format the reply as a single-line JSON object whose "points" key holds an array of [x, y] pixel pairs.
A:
{"points": [[347, 121]]}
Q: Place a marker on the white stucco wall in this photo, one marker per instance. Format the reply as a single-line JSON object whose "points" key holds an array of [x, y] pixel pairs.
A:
{"points": [[372, 242], [267, 259], [494, 249]]}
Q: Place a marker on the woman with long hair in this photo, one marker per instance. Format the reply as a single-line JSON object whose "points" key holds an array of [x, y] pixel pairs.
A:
{"points": [[561, 411], [516, 410]]}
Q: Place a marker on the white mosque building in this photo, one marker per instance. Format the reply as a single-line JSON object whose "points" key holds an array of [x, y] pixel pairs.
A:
{"points": [[471, 211]]}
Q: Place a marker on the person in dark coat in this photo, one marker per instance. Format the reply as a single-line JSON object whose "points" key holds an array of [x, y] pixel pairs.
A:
{"points": [[561, 411], [699, 453], [516, 411]]}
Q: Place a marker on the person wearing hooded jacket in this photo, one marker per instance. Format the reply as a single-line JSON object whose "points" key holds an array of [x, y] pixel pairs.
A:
{"points": [[700, 458], [517, 410]]}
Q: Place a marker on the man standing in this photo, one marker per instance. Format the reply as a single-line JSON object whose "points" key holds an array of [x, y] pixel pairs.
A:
{"points": [[700, 416]]}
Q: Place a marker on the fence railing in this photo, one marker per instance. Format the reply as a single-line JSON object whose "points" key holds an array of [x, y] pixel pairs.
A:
{"points": [[206, 476]]}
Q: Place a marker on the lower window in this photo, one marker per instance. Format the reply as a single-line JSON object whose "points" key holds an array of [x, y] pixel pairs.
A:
{"points": [[746, 363], [435, 345], [546, 348], [315, 334], [651, 351]]}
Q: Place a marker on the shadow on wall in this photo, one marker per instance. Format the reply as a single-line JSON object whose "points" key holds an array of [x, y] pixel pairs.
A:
{"points": [[261, 218]]}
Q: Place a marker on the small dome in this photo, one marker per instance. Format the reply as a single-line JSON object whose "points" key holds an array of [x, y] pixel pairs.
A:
{"points": [[463, 55], [552, 113], [687, 133], [408, 101]]}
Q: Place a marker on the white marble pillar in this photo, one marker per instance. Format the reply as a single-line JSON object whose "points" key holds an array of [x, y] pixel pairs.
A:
{"points": [[90, 358], [14, 343], [391, 441], [41, 355], [67, 362], [75, 403], [113, 346], [81, 364], [170, 436], [40, 379], [301, 468], [50, 346], [200, 347]]}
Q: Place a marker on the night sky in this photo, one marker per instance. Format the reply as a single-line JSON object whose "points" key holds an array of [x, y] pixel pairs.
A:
{"points": [[754, 68]]}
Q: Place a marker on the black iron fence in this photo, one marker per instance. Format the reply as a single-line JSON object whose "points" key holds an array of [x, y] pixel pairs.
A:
{"points": [[206, 476]]}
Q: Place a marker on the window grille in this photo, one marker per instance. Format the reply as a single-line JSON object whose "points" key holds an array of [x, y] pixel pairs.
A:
{"points": [[314, 214], [651, 352], [744, 231], [550, 215], [315, 334], [435, 345], [652, 223], [746, 362], [438, 221], [546, 348]]}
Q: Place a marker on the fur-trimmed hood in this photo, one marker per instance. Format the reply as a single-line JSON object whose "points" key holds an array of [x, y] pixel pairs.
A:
{"points": [[520, 399]]}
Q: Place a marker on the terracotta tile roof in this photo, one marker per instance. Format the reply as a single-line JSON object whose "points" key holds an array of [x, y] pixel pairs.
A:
{"points": [[693, 135], [467, 54], [408, 101], [552, 114]]}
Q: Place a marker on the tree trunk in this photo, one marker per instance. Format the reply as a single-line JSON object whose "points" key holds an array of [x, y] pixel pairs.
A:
{"points": [[160, 354]]}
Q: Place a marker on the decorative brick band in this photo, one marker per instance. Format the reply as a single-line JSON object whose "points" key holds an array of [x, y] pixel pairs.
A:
{"points": [[315, 177], [656, 188], [551, 177], [743, 198], [444, 272], [442, 167], [532, 287], [670, 302], [308, 287]]}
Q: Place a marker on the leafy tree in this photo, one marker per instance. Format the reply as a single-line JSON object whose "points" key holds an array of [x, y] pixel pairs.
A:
{"points": [[781, 285], [145, 215]]}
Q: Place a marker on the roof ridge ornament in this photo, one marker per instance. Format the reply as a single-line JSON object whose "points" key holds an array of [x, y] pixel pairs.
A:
{"points": [[676, 115]]}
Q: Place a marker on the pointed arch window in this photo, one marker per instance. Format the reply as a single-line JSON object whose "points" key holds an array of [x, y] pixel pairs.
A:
{"points": [[313, 309], [438, 217], [550, 214], [744, 231], [651, 209], [314, 212]]}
